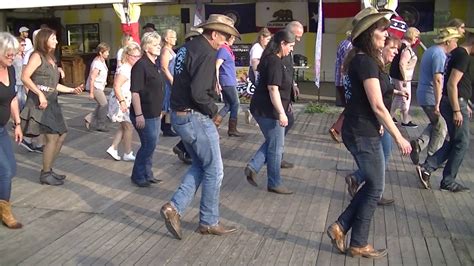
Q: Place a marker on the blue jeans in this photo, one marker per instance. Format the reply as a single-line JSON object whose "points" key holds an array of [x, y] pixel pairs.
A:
{"points": [[453, 150], [271, 150], [387, 153], [368, 154], [7, 164], [434, 134], [231, 102], [149, 136], [201, 139]]}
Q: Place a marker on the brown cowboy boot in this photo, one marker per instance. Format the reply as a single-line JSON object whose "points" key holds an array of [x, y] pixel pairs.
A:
{"points": [[233, 132], [7, 216], [217, 120]]}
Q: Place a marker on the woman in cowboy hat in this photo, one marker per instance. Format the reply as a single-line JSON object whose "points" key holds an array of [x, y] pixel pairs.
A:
{"points": [[365, 115]]}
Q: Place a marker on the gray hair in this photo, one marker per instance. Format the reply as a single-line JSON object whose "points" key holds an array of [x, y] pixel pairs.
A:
{"points": [[8, 43], [292, 26], [150, 37]]}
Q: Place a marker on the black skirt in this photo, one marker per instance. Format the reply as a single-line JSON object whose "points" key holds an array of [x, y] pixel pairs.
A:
{"points": [[35, 121]]}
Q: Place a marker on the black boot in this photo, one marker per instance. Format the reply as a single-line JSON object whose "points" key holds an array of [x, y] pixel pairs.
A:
{"points": [[47, 178], [167, 130]]}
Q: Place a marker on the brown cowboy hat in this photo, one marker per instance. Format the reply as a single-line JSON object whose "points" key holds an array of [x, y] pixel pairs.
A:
{"points": [[446, 34], [366, 18], [220, 23]]}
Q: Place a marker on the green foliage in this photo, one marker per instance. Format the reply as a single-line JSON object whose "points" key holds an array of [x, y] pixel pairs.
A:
{"points": [[318, 108]]}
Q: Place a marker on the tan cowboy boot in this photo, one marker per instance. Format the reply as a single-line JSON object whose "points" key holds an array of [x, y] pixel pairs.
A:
{"points": [[7, 216]]}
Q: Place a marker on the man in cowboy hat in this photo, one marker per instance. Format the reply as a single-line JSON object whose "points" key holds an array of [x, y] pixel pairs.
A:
{"points": [[193, 107], [428, 94], [455, 109]]}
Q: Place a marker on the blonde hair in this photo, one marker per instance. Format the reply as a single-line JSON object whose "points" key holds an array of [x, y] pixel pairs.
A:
{"points": [[125, 38], [150, 37], [128, 49], [8, 43], [411, 34], [264, 32]]}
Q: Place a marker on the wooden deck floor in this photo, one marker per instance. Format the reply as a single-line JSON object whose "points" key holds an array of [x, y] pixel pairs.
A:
{"points": [[99, 218]]}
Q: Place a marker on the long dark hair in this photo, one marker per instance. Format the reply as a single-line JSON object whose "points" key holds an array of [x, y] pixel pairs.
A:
{"points": [[363, 43], [41, 42], [274, 46]]}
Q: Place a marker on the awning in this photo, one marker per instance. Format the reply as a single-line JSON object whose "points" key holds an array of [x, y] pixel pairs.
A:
{"points": [[5, 4]]}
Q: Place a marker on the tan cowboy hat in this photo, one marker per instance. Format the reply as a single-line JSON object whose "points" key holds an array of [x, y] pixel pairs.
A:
{"points": [[366, 18], [193, 32], [220, 23], [363, 13], [446, 34]]}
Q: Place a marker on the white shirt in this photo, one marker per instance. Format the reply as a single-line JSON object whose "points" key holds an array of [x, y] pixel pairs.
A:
{"points": [[256, 51], [27, 57], [119, 56], [28, 45], [101, 78]]}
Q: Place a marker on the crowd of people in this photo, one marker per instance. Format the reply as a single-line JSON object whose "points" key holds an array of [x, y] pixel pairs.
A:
{"points": [[158, 87]]}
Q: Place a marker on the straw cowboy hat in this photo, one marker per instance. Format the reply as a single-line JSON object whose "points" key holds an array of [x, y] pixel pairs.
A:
{"points": [[366, 18], [193, 32], [446, 34], [220, 23]]}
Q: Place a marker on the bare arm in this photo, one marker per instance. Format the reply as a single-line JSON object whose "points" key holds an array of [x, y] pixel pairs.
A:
{"points": [[164, 62], [453, 81], [374, 95], [118, 82], [15, 116], [254, 63], [277, 104], [438, 88], [93, 75], [27, 72]]}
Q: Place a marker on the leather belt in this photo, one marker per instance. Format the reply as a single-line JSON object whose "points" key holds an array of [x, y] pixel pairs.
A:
{"points": [[185, 111]]}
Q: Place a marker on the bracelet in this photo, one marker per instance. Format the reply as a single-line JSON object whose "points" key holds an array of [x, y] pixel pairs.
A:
{"points": [[456, 111], [138, 115], [121, 101], [17, 124]]}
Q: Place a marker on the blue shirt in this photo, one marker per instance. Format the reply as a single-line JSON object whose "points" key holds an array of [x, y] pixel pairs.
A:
{"points": [[432, 62], [342, 50], [227, 75]]}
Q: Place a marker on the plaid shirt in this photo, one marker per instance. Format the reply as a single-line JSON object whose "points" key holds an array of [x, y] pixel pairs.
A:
{"points": [[342, 50]]}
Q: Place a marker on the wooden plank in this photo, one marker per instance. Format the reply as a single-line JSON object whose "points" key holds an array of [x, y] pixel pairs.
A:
{"points": [[449, 253], [50, 226], [421, 251], [436, 253]]}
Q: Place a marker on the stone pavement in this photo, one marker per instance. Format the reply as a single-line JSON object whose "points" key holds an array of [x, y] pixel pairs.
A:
{"points": [[98, 217]]}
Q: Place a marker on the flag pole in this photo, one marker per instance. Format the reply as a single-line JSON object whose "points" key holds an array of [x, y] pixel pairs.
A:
{"points": [[318, 46]]}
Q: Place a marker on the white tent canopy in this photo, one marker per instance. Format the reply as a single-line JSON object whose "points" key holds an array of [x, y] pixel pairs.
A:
{"points": [[5, 4]]}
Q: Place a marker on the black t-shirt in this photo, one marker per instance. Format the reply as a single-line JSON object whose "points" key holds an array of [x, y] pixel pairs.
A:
{"points": [[387, 89], [195, 77], [395, 66], [461, 61], [147, 81], [272, 71], [7, 93], [359, 117]]}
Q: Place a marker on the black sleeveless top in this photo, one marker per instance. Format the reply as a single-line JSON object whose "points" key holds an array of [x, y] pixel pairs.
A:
{"points": [[7, 93]]}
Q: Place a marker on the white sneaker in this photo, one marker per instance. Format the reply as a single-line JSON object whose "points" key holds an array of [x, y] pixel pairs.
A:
{"points": [[128, 157], [248, 116], [113, 153]]}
